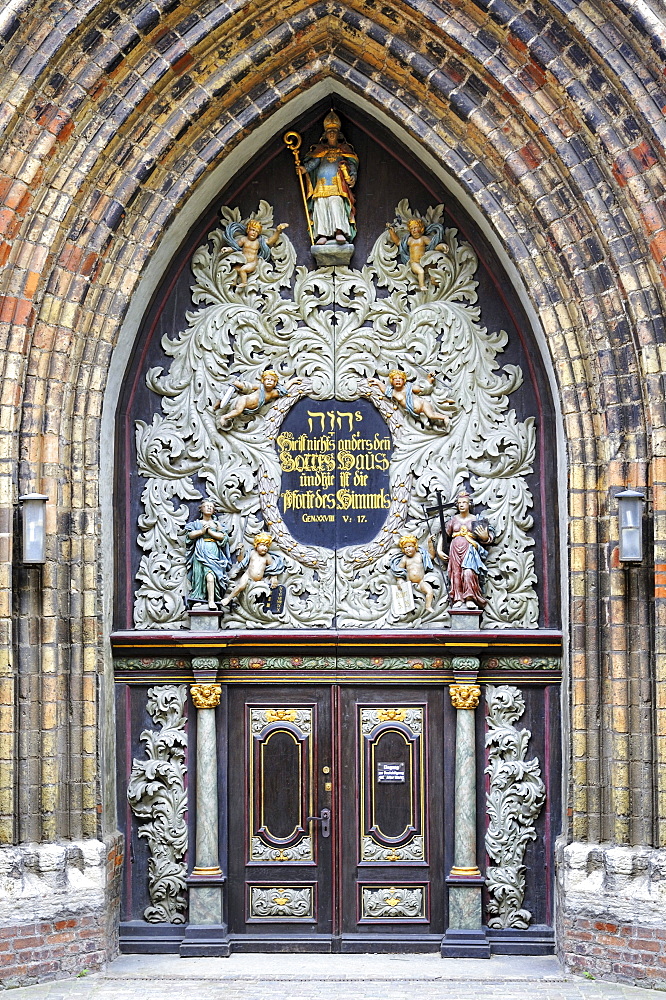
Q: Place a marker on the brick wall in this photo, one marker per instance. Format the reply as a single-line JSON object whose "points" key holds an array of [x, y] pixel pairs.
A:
{"points": [[628, 953], [59, 909], [52, 949], [611, 912]]}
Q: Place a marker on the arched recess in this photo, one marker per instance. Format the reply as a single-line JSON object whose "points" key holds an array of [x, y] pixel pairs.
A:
{"points": [[536, 155], [243, 171], [503, 302]]}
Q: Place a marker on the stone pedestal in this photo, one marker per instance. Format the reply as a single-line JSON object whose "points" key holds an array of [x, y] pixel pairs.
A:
{"points": [[465, 937], [332, 254], [204, 620], [465, 619], [206, 934]]}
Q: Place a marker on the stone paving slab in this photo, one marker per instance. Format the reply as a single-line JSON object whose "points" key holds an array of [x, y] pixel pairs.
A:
{"points": [[331, 977]]}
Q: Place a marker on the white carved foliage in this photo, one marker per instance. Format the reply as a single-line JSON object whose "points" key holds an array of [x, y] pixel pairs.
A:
{"points": [[514, 800], [156, 793], [328, 332]]}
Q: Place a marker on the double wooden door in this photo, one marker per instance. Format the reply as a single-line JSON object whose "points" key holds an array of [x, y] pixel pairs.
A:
{"points": [[335, 817]]}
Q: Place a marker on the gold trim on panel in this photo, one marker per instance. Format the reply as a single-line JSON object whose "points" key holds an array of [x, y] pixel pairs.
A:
{"points": [[391, 903], [262, 724], [388, 719], [283, 903]]}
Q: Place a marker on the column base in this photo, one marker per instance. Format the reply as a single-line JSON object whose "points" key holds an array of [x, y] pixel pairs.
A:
{"points": [[205, 941], [465, 904], [205, 901], [463, 943]]}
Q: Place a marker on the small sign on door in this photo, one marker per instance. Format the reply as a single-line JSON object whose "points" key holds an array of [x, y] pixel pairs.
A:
{"points": [[390, 772]]}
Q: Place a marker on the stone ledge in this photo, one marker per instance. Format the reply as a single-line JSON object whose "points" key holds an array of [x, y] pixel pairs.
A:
{"points": [[625, 884], [611, 914], [43, 881]]}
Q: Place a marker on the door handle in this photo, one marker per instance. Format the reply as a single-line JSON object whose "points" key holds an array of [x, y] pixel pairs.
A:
{"points": [[325, 820]]}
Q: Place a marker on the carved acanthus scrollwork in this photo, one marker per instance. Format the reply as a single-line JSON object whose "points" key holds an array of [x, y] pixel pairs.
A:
{"points": [[291, 319], [301, 718], [410, 717], [156, 792], [392, 902], [282, 901], [205, 663], [412, 851], [464, 696], [206, 695], [514, 801], [302, 851], [466, 663]]}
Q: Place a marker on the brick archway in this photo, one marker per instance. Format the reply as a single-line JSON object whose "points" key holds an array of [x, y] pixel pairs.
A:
{"points": [[551, 123]]}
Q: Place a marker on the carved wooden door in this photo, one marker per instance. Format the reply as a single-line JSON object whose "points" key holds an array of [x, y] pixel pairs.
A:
{"points": [[279, 858], [335, 817], [391, 830]]}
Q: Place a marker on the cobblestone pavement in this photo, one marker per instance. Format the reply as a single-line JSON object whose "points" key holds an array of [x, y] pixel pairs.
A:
{"points": [[330, 977]]}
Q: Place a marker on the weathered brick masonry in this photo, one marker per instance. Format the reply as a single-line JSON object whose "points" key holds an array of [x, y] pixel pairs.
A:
{"points": [[551, 118]]}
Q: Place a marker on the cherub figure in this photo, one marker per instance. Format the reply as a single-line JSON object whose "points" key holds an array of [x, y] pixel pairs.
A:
{"points": [[408, 397], [252, 396], [257, 564], [419, 239], [412, 564], [247, 239]]}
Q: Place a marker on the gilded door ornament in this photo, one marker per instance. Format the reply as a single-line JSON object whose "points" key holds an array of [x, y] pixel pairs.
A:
{"points": [[300, 718], [373, 851], [261, 851], [515, 797], [464, 696], [206, 695], [392, 903], [280, 902], [158, 798], [410, 717], [376, 347]]}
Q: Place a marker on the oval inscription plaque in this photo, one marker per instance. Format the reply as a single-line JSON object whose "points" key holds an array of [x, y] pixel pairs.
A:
{"points": [[335, 459]]}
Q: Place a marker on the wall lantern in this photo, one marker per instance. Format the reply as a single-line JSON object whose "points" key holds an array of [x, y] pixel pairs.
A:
{"points": [[34, 527], [630, 515]]}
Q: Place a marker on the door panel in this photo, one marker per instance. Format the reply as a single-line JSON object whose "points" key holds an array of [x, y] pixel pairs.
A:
{"points": [[366, 763], [281, 783], [392, 806], [392, 836], [279, 868]]}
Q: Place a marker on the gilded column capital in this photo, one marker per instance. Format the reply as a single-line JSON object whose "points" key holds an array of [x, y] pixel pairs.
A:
{"points": [[206, 695], [464, 695]]}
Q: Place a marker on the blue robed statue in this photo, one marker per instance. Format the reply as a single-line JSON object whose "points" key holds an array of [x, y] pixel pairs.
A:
{"points": [[208, 558]]}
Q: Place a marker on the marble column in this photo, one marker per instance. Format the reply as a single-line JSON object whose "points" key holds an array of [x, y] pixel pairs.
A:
{"points": [[206, 934], [465, 937]]}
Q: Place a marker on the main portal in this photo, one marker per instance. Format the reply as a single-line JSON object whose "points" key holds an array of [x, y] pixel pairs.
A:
{"points": [[337, 642], [335, 806]]}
